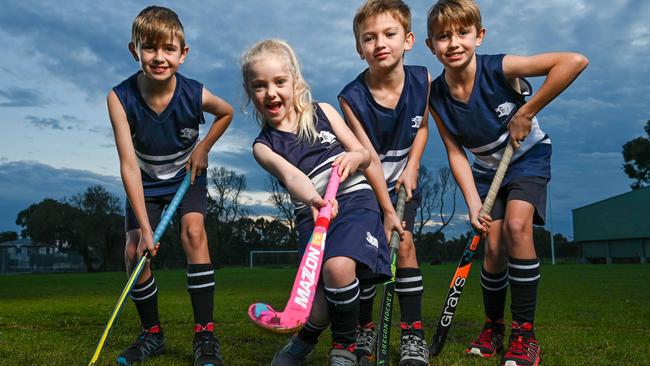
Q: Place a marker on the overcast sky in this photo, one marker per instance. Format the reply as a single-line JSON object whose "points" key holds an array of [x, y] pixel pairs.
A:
{"points": [[61, 59]]}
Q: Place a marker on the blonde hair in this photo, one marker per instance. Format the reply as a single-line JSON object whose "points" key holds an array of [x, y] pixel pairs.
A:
{"points": [[447, 13], [157, 24], [302, 100], [371, 8]]}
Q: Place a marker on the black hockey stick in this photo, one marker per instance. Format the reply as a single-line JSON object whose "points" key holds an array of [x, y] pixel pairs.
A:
{"points": [[465, 264], [383, 333]]}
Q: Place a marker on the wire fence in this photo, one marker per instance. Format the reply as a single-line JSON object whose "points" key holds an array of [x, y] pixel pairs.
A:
{"points": [[37, 259]]}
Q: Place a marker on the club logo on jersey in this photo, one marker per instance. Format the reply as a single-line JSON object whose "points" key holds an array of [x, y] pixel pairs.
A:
{"points": [[189, 133], [504, 109], [417, 121], [326, 137], [372, 240]]}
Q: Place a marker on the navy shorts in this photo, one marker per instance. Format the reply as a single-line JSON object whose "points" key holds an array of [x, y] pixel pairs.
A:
{"points": [[358, 234], [529, 189], [194, 201]]}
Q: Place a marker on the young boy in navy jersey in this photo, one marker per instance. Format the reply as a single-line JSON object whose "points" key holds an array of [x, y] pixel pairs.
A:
{"points": [[478, 104], [155, 115], [386, 108]]}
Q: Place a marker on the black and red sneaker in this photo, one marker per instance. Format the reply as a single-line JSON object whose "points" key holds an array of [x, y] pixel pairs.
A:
{"points": [[365, 344], [413, 350], [149, 343], [207, 351], [489, 342], [524, 349]]}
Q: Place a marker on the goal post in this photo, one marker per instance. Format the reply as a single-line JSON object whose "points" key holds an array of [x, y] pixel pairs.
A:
{"points": [[253, 252]]}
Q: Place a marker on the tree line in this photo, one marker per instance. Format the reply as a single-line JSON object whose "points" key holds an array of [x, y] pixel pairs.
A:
{"points": [[92, 223]]}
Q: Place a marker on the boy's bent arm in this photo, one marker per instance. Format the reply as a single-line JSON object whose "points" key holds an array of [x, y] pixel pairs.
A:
{"points": [[374, 172], [560, 68], [223, 115], [462, 172], [129, 169]]}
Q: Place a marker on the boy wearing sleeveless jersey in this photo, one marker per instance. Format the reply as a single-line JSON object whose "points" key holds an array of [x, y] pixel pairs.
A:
{"points": [[155, 115], [386, 108], [478, 104]]}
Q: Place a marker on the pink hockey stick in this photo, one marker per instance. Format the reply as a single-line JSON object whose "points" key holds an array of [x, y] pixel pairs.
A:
{"points": [[298, 307]]}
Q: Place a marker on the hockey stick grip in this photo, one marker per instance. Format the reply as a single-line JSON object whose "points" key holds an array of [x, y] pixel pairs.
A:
{"points": [[171, 208], [486, 208], [330, 193], [399, 209]]}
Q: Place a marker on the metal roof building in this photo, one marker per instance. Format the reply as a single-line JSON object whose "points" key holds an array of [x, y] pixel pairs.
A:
{"points": [[615, 229]]}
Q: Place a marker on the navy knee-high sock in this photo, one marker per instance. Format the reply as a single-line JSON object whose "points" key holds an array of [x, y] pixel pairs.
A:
{"points": [[409, 289], [495, 290], [523, 275], [343, 310], [200, 285], [366, 302], [145, 297]]}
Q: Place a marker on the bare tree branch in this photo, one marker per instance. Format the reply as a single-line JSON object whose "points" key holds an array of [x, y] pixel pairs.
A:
{"points": [[281, 200]]}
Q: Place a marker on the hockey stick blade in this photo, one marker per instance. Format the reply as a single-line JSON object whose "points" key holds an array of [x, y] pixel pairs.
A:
{"points": [[297, 310], [465, 264], [383, 332]]}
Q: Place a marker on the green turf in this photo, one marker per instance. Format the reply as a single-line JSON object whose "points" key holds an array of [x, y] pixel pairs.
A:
{"points": [[587, 315]]}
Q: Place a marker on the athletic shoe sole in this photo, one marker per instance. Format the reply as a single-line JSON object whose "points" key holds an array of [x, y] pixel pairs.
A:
{"points": [[514, 363], [122, 360], [366, 361], [474, 351]]}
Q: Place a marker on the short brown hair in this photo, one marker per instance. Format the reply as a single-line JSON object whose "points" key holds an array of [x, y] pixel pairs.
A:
{"points": [[371, 8], [447, 13], [157, 24]]}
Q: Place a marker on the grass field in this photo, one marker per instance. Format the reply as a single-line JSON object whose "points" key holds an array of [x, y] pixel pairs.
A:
{"points": [[587, 315]]}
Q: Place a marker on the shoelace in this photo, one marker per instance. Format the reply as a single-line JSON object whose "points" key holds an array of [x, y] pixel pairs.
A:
{"points": [[413, 346], [365, 338], [522, 344], [144, 343], [486, 336], [208, 345]]}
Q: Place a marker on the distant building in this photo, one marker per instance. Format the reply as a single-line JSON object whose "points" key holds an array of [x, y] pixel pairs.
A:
{"points": [[23, 255], [616, 229]]}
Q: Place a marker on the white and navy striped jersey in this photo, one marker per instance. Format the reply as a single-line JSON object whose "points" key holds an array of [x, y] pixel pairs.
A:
{"points": [[315, 160], [391, 131], [480, 125], [163, 142]]}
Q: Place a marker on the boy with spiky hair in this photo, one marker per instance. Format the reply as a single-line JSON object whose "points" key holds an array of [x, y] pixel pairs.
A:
{"points": [[386, 108], [478, 104], [155, 115]]}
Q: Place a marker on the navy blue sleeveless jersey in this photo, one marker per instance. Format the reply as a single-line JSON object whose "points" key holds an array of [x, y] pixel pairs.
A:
{"points": [[163, 142], [315, 160], [391, 131], [480, 125]]}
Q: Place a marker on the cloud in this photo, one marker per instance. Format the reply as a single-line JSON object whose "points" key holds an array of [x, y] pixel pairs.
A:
{"points": [[28, 182], [40, 122], [21, 97]]}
